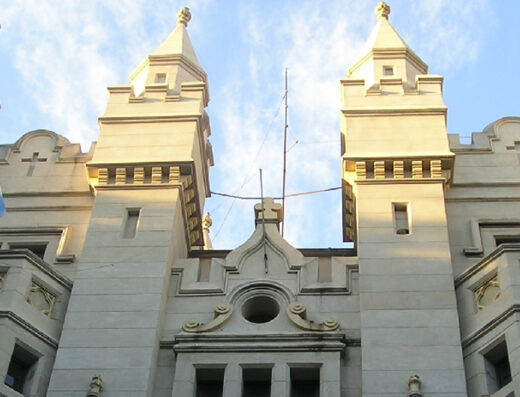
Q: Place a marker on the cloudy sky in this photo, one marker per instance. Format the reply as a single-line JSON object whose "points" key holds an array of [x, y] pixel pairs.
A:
{"points": [[58, 57]]}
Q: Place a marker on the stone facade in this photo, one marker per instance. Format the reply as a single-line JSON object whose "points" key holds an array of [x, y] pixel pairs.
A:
{"points": [[109, 285]]}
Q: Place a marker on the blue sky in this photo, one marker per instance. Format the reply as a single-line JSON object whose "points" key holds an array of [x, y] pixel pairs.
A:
{"points": [[58, 57]]}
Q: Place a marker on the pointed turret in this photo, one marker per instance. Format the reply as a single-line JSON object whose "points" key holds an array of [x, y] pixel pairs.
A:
{"points": [[386, 55], [173, 63]]}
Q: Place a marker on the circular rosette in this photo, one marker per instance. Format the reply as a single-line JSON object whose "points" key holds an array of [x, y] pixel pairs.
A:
{"points": [[190, 325], [297, 308]]}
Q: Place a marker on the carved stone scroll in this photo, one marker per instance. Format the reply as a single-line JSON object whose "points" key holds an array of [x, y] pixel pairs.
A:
{"points": [[296, 312], [223, 312]]}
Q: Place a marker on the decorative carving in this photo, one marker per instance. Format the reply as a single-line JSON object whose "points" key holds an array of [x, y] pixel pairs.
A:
{"points": [[361, 170], [379, 170], [183, 16], [2, 278], [190, 208], [398, 169], [435, 169], [188, 195], [193, 222], [96, 385], [194, 236], [175, 175], [488, 293], [156, 175], [41, 299], [296, 312], [138, 175], [223, 312], [417, 169], [103, 176], [382, 10], [120, 176], [414, 386]]}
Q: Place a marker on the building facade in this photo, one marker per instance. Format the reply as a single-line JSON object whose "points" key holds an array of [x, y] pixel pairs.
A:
{"points": [[109, 285]]}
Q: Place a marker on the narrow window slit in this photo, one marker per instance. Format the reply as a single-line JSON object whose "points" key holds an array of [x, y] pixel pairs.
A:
{"points": [[131, 222], [401, 218]]}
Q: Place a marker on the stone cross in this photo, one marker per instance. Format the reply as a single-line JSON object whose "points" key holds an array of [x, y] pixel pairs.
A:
{"points": [[33, 160], [272, 211]]}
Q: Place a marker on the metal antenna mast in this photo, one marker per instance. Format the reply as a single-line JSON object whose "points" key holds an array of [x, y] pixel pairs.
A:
{"points": [[284, 154]]}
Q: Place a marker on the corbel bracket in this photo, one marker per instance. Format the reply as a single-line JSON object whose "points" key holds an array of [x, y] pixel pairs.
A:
{"points": [[297, 313], [223, 312]]}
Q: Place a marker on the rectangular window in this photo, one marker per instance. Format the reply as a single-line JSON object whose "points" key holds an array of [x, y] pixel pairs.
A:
{"points": [[37, 249], [498, 371], [401, 218], [131, 222], [256, 382], [160, 78], [305, 382], [388, 70], [209, 382], [21, 370]]}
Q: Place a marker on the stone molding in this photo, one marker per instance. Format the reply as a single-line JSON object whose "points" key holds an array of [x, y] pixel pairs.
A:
{"points": [[294, 342], [398, 170], [38, 263], [471, 271], [475, 224], [490, 325], [28, 327]]}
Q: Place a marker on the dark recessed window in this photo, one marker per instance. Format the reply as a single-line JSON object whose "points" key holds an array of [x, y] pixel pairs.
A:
{"points": [[498, 371], [256, 382], [305, 382], [21, 370], [209, 382], [37, 248]]}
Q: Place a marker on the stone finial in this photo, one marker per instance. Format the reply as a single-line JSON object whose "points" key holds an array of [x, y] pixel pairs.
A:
{"points": [[272, 212], [96, 385], [382, 10], [206, 222], [183, 16], [414, 386]]}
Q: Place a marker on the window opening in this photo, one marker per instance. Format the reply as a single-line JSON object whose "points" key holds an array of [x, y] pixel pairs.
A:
{"points": [[21, 370], [131, 222], [37, 249], [209, 382], [388, 70], [401, 218], [256, 382], [506, 240], [305, 382], [260, 309], [160, 78], [498, 371]]}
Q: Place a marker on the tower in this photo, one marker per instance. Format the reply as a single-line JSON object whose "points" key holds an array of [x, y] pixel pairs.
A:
{"points": [[150, 176], [396, 168]]}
